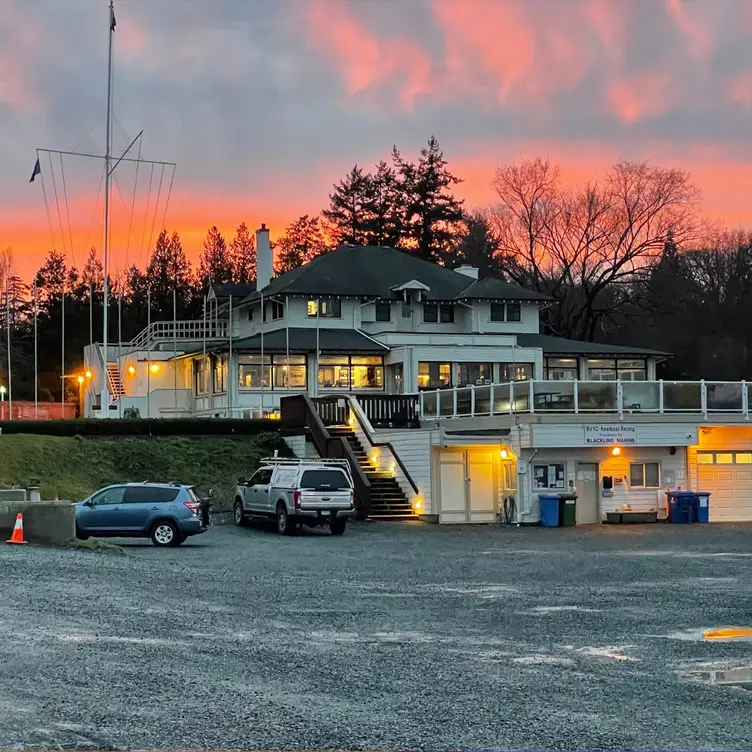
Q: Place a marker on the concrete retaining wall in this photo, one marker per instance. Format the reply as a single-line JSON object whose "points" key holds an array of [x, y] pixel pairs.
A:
{"points": [[44, 521]]}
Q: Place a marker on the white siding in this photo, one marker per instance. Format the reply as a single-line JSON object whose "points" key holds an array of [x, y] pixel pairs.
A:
{"points": [[639, 499]]}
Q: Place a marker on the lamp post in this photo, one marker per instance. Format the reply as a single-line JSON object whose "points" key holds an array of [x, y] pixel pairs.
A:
{"points": [[3, 390]]}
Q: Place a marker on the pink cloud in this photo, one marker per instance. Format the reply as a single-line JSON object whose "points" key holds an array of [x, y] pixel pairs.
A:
{"points": [[363, 60], [698, 36], [634, 98]]}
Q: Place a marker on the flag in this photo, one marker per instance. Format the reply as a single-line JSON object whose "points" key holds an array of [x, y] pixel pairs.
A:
{"points": [[37, 171], [113, 23]]}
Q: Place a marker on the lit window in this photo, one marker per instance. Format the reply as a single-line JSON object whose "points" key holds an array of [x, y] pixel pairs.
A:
{"points": [[599, 369], [324, 308], [704, 458], [561, 369], [743, 458], [474, 373], [548, 476], [434, 375], [515, 372], [724, 458], [351, 372]]}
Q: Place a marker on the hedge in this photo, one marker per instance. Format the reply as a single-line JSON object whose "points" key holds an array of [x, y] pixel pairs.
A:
{"points": [[141, 427]]}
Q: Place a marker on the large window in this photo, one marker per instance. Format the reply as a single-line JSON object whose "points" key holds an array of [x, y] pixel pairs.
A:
{"points": [[324, 308], [201, 376], [434, 375], [561, 369], [220, 375], [383, 311], [506, 312], [610, 369], [351, 372], [515, 372], [276, 371], [474, 373], [644, 474], [434, 313]]}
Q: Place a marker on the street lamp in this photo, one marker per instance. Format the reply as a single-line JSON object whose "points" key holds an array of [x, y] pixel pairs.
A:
{"points": [[3, 390]]}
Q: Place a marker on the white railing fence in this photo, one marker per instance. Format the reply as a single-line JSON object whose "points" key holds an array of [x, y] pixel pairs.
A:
{"points": [[166, 331], [582, 397]]}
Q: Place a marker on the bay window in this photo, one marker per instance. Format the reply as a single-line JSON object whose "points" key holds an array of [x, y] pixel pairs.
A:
{"points": [[434, 375], [474, 373], [351, 372]]}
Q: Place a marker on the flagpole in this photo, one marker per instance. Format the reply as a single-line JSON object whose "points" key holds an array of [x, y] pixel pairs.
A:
{"points": [[175, 346], [148, 352], [62, 352], [36, 355], [7, 326], [120, 345], [318, 349], [229, 364], [204, 328], [287, 348], [107, 159]]}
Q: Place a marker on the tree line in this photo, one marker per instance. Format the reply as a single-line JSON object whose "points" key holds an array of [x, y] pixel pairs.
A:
{"points": [[625, 258]]}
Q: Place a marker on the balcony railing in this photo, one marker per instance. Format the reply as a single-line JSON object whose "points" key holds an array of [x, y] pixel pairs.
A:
{"points": [[169, 331], [583, 397]]}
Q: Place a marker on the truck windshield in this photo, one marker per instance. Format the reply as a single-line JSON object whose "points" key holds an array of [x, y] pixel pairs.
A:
{"points": [[324, 480]]}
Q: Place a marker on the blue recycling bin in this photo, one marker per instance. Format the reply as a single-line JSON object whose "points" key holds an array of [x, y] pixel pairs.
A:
{"points": [[702, 506], [549, 509], [680, 507]]}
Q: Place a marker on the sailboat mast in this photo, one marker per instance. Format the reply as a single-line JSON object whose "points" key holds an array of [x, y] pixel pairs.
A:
{"points": [[107, 159]]}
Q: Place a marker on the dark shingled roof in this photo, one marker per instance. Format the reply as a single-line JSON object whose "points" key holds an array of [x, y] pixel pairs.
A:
{"points": [[561, 346], [373, 271], [303, 339], [237, 291]]}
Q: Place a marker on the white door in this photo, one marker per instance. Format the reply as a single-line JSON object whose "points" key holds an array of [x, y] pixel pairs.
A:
{"points": [[481, 485], [727, 477], [587, 494], [453, 490]]}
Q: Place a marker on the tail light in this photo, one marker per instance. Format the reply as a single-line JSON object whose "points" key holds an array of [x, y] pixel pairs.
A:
{"points": [[296, 499], [192, 505]]}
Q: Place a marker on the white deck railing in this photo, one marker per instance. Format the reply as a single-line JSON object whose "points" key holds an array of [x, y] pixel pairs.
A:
{"points": [[583, 397], [169, 331]]}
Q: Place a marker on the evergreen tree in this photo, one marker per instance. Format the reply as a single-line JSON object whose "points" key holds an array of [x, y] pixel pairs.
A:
{"points": [[347, 216], [479, 246], [384, 211], [243, 253], [433, 215], [301, 243], [216, 262], [169, 270], [93, 271]]}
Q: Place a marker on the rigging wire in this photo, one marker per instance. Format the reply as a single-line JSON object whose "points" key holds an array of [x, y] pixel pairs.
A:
{"points": [[88, 134], [47, 210], [169, 195], [156, 207], [146, 217], [67, 211], [57, 206], [133, 207], [94, 210]]}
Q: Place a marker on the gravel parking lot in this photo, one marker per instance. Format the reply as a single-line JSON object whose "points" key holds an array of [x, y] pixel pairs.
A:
{"points": [[393, 636]]}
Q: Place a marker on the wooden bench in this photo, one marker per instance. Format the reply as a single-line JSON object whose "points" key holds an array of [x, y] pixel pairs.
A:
{"points": [[630, 517]]}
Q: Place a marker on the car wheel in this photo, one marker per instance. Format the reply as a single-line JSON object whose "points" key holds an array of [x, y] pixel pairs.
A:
{"points": [[237, 514], [285, 525], [165, 533], [80, 535], [338, 525]]}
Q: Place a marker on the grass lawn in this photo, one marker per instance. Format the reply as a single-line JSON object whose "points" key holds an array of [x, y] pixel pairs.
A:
{"points": [[73, 467]]}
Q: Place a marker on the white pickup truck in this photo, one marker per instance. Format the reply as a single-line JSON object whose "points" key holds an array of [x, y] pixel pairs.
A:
{"points": [[306, 492]]}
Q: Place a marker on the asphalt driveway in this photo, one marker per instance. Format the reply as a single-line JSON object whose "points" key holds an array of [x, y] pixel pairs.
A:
{"points": [[393, 636]]}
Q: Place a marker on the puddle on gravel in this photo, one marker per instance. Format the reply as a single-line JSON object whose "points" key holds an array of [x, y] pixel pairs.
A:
{"points": [[740, 678]]}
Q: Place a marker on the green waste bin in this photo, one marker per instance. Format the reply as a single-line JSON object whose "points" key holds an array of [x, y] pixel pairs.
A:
{"points": [[567, 510]]}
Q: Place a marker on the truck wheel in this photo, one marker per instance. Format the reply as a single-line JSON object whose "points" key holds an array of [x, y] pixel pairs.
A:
{"points": [[237, 514], [285, 525], [338, 525]]}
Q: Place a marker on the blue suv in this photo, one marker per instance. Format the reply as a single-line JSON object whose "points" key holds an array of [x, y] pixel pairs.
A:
{"points": [[167, 513]]}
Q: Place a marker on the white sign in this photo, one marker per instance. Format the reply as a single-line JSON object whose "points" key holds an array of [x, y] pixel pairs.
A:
{"points": [[610, 434]]}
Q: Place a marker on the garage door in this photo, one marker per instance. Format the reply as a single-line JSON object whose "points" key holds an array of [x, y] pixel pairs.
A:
{"points": [[468, 489], [727, 476]]}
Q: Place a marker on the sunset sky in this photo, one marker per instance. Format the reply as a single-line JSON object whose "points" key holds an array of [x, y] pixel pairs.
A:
{"points": [[263, 104]]}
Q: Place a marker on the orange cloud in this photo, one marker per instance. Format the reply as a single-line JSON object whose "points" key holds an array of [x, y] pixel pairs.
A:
{"points": [[363, 60]]}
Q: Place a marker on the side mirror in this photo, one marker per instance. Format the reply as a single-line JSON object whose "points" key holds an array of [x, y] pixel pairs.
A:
{"points": [[88, 503], [211, 493], [241, 482]]}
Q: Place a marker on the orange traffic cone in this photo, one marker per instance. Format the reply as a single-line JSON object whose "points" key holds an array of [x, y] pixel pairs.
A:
{"points": [[17, 536]]}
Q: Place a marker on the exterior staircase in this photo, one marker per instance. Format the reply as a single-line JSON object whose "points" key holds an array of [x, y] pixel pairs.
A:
{"points": [[114, 382], [388, 502]]}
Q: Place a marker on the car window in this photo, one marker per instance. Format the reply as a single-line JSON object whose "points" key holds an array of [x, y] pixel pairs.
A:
{"points": [[324, 480], [150, 495], [263, 477], [109, 496]]}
